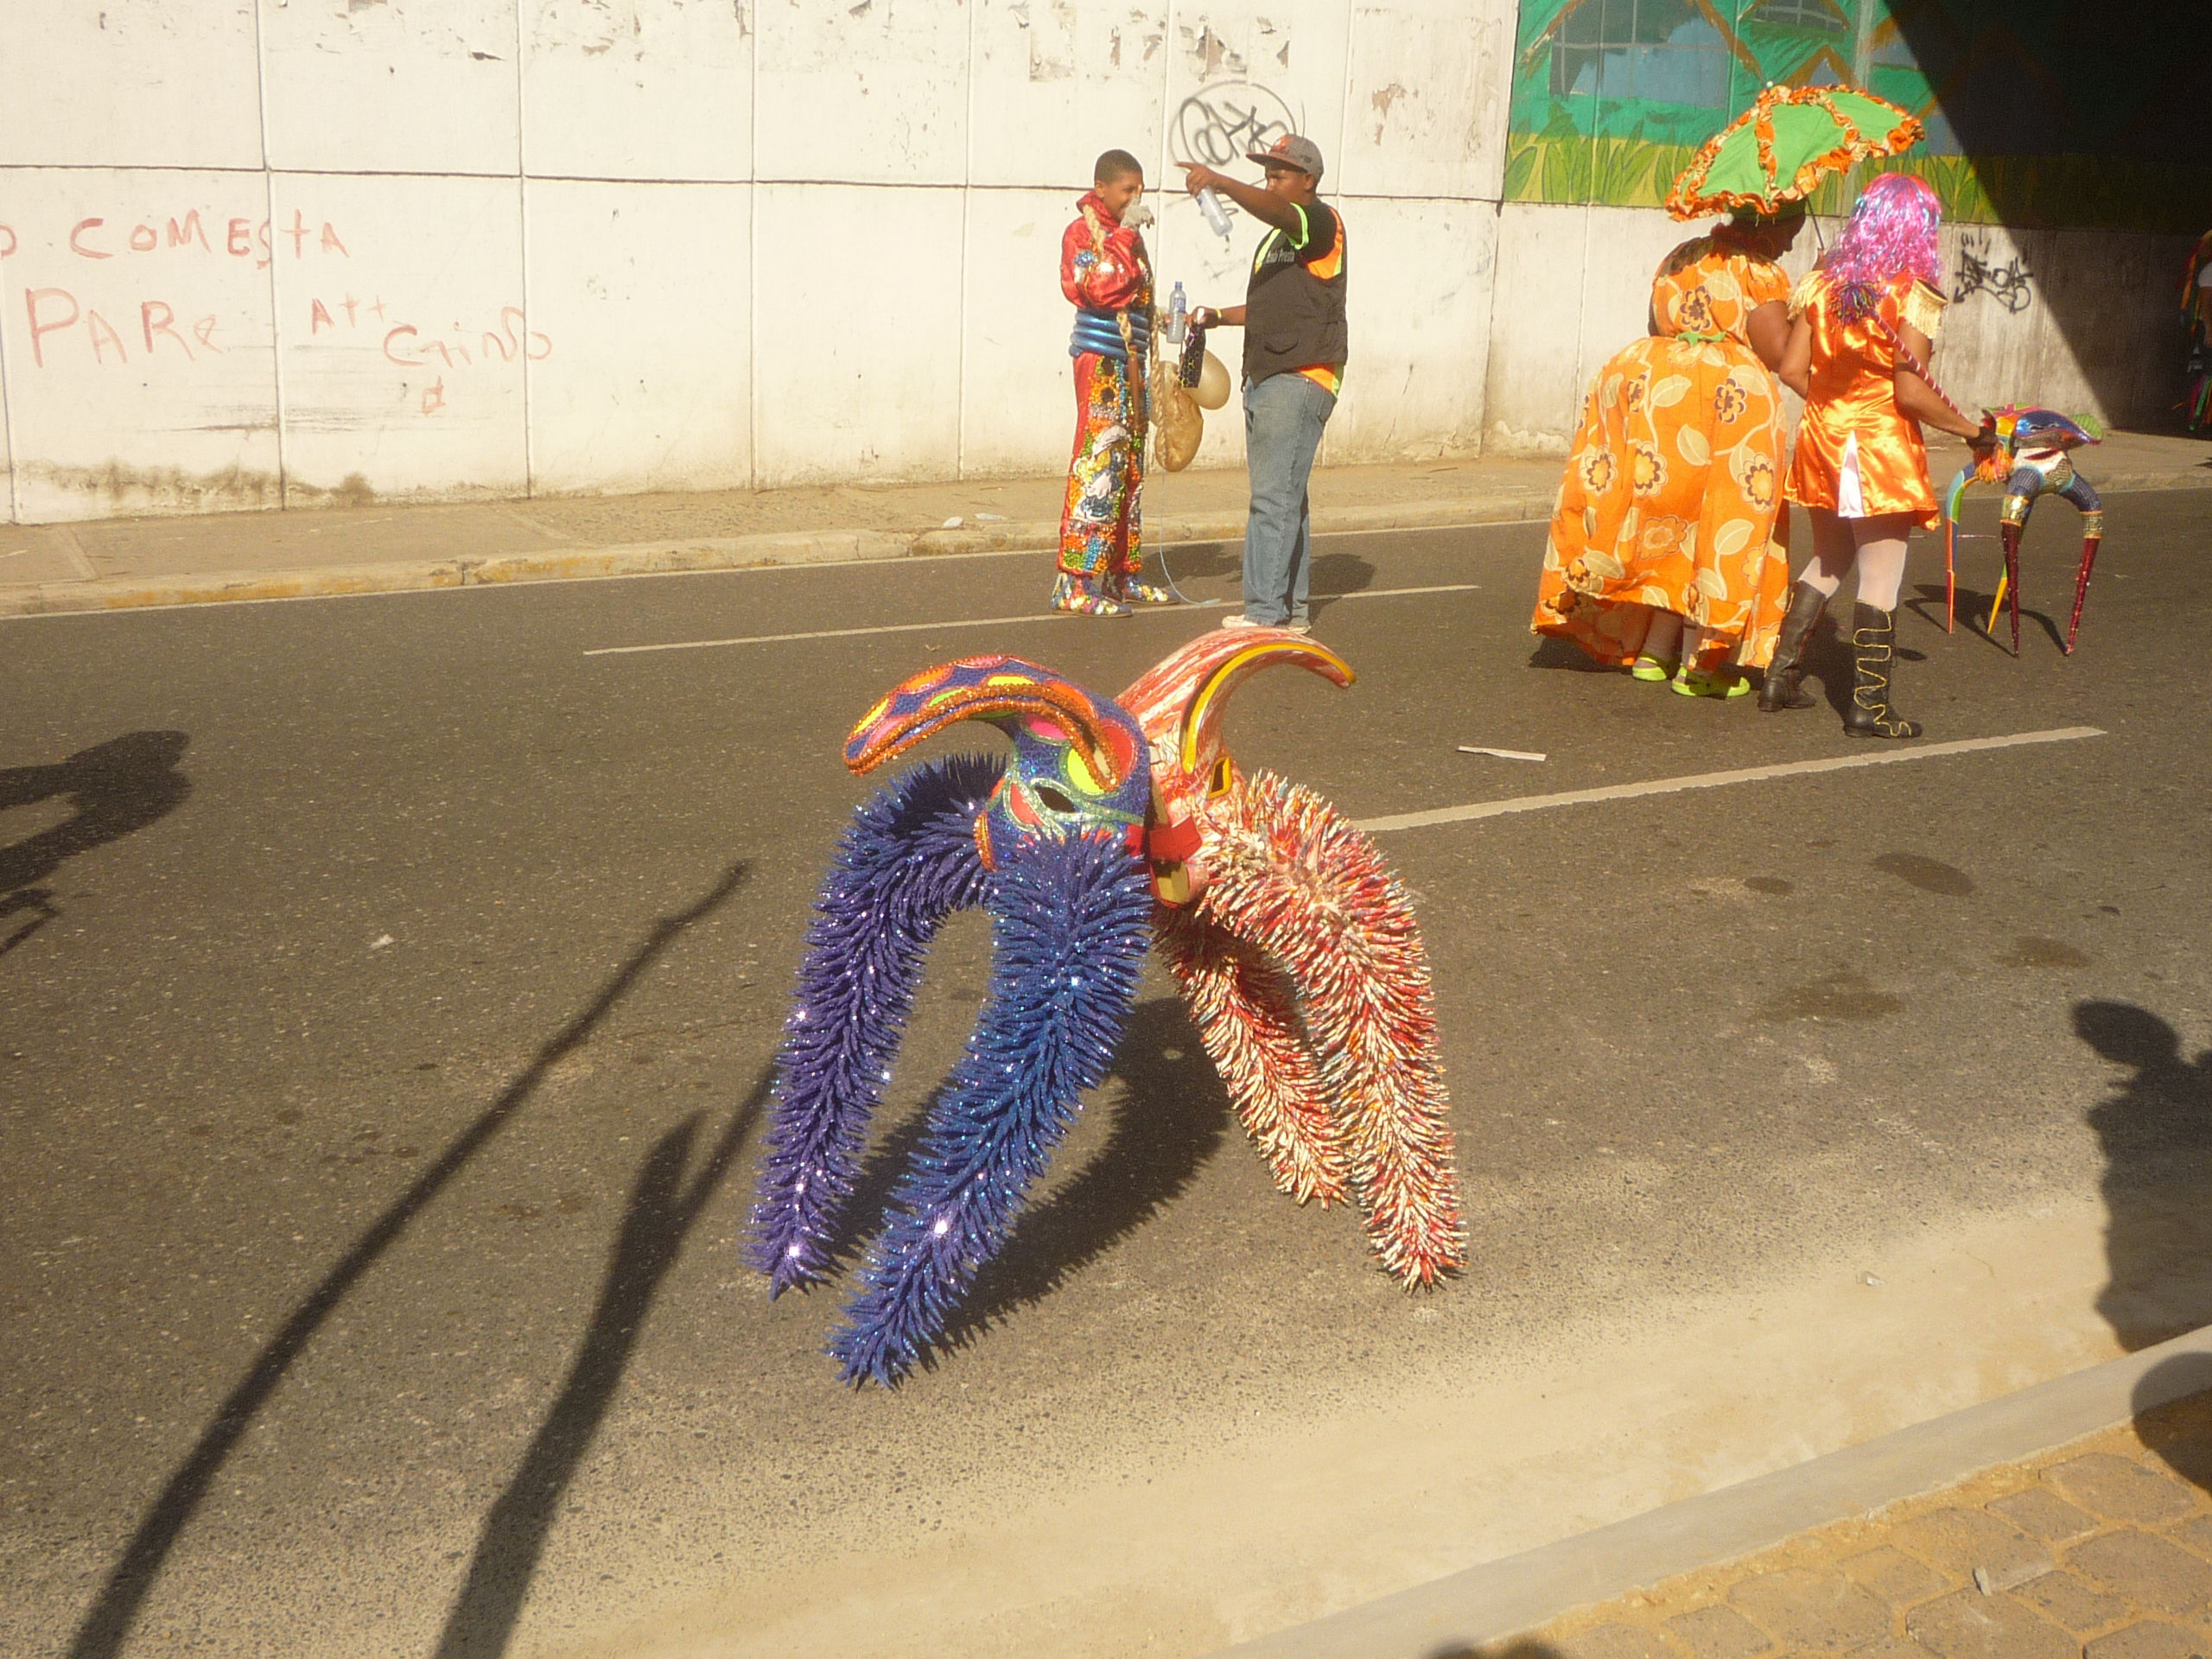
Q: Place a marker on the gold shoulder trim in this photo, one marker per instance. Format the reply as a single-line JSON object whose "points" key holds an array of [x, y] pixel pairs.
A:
{"points": [[1923, 308], [1807, 290]]}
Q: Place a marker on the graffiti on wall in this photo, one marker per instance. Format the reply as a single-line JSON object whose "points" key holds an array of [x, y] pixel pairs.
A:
{"points": [[1610, 99], [2009, 284], [66, 327]]}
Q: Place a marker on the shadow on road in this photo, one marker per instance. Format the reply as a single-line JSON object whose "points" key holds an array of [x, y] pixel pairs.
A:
{"points": [[664, 1209], [2173, 1412], [1169, 1123], [1166, 1127], [1515, 1650], [2156, 1134], [107, 1625], [116, 787]]}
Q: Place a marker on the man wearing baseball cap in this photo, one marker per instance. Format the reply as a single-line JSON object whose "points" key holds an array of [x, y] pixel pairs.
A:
{"points": [[1293, 322]]}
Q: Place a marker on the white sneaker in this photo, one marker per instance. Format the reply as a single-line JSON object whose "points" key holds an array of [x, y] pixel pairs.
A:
{"points": [[1240, 620]]}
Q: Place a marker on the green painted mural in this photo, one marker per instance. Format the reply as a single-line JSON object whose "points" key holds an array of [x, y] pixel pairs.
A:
{"points": [[2039, 112]]}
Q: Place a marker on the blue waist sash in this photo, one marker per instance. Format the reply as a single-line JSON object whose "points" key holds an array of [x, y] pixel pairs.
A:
{"points": [[1101, 332]]}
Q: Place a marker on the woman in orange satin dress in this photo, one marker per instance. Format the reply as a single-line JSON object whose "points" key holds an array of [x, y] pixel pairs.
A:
{"points": [[1665, 556], [1862, 327]]}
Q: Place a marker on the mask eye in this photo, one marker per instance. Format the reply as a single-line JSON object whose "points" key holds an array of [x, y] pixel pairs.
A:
{"points": [[1222, 773], [1053, 799]]}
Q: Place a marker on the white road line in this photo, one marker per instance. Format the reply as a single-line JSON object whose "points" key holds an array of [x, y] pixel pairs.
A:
{"points": [[1716, 779], [989, 622]]}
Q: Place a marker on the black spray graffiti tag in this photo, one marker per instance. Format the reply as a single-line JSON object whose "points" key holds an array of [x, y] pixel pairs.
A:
{"points": [[2008, 283], [1226, 121]]}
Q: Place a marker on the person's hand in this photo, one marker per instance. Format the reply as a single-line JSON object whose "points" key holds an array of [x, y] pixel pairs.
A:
{"points": [[1197, 176], [1985, 439], [1204, 317]]}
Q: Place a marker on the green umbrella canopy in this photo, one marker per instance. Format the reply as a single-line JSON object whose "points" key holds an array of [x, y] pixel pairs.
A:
{"points": [[1780, 148]]}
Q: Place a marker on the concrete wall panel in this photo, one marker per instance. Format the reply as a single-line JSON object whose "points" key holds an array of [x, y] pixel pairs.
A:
{"points": [[402, 336], [1017, 413], [855, 376], [864, 94], [1057, 82], [1534, 379], [391, 86], [167, 82], [1420, 331], [646, 292], [636, 89], [1426, 106], [136, 325]]}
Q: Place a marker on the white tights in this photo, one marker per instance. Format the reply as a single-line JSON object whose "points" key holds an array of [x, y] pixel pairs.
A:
{"points": [[1876, 546]]}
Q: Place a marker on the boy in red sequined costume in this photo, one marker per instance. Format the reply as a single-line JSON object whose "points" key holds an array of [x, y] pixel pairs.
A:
{"points": [[1106, 274]]}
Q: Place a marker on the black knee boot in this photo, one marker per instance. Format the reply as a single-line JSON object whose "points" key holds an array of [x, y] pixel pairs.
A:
{"points": [[1874, 635], [1780, 692]]}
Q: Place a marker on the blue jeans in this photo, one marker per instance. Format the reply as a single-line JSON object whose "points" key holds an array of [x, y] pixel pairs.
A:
{"points": [[1283, 417]]}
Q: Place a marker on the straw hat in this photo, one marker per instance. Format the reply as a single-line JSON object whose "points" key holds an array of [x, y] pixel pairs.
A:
{"points": [[1177, 427]]}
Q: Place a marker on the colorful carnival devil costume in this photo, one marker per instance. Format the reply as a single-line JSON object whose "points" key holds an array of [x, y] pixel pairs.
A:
{"points": [[2032, 457], [1106, 273], [1113, 824]]}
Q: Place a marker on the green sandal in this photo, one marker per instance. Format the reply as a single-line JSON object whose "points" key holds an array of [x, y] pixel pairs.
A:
{"points": [[1650, 670], [1710, 682]]}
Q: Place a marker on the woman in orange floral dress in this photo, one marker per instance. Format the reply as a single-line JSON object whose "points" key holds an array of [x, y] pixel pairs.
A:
{"points": [[1864, 324], [1667, 555]]}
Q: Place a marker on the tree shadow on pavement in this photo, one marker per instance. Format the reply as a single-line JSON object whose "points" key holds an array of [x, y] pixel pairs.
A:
{"points": [[107, 1625], [2156, 1134], [116, 788], [664, 1208], [1521, 1649]]}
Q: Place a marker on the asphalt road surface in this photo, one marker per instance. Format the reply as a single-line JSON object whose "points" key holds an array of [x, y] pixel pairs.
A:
{"points": [[388, 988]]}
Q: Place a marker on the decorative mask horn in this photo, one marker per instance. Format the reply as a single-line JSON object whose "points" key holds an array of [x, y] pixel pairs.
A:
{"points": [[1179, 703]]}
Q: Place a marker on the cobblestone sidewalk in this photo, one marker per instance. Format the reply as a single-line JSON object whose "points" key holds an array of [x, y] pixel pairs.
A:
{"points": [[2102, 1548]]}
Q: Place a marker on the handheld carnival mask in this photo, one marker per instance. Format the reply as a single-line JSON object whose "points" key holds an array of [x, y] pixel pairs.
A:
{"points": [[1293, 944], [2032, 458]]}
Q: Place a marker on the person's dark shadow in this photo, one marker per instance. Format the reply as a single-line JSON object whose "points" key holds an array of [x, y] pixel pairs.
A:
{"points": [[2156, 1134], [664, 1209], [1521, 1649], [107, 1623], [2174, 1415], [1552, 651], [114, 788], [1336, 574]]}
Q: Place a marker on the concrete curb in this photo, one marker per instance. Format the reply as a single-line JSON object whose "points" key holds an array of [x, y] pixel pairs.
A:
{"points": [[1520, 1593], [691, 555], [708, 553]]}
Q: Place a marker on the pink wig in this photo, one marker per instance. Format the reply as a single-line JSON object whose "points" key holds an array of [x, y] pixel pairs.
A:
{"points": [[1892, 233]]}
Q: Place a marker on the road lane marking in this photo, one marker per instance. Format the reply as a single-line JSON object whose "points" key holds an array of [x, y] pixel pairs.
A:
{"points": [[1716, 779], [991, 622]]}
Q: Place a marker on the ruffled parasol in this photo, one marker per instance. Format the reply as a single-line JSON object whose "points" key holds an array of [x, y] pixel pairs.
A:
{"points": [[1780, 148]]}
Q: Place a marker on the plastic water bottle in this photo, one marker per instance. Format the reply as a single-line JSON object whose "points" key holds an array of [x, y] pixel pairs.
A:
{"points": [[1177, 309], [1216, 216]]}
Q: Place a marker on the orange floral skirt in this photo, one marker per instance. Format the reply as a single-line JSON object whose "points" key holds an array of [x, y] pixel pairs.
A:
{"points": [[1671, 501]]}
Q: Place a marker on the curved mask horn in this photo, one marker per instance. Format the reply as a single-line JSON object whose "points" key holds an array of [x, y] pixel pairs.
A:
{"points": [[1179, 702], [1007, 692], [1079, 764]]}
